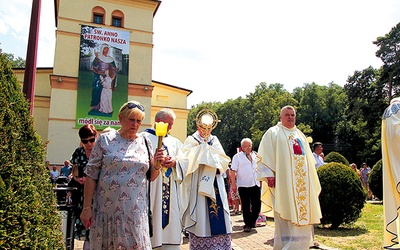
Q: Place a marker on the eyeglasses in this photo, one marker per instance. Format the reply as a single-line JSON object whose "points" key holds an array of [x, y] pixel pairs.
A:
{"points": [[88, 140], [134, 105]]}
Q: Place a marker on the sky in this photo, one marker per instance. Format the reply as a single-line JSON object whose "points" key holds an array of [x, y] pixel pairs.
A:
{"points": [[223, 49]]}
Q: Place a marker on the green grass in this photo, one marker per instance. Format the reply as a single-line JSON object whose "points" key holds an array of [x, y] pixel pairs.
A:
{"points": [[365, 233]]}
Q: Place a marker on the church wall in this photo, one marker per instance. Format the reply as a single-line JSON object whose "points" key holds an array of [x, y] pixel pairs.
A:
{"points": [[56, 88], [138, 20]]}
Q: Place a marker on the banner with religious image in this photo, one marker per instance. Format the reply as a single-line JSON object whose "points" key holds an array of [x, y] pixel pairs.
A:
{"points": [[103, 76]]}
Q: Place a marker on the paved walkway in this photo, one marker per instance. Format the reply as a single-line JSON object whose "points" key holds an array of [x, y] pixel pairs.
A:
{"points": [[259, 238], [256, 239]]}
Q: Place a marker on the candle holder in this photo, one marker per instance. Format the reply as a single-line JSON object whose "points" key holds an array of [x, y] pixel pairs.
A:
{"points": [[161, 131]]}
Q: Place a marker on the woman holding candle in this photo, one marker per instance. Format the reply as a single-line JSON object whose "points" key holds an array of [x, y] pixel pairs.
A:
{"points": [[116, 181]]}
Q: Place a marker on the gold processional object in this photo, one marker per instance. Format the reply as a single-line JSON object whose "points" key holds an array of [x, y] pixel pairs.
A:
{"points": [[206, 121]]}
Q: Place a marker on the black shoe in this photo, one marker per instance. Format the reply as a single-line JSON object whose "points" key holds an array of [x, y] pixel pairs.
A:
{"points": [[247, 229]]}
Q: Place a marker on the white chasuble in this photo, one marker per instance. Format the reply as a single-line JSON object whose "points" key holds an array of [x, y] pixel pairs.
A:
{"points": [[207, 162], [391, 174], [286, 155]]}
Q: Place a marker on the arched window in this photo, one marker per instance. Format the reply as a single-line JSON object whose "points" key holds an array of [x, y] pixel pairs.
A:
{"points": [[98, 15], [117, 18]]}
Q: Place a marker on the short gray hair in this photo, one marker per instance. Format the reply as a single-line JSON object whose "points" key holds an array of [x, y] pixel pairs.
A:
{"points": [[288, 107], [163, 113], [246, 140]]}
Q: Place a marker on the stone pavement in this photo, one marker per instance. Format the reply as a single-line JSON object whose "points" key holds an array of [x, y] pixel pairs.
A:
{"points": [[256, 239], [259, 238]]}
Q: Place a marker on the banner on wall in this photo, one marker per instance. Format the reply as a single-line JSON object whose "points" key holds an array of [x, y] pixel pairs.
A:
{"points": [[102, 77]]}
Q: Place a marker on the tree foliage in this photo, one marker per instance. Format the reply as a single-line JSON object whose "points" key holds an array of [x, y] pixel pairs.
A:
{"points": [[28, 212], [267, 101], [250, 117], [375, 180], [16, 62], [322, 108], [389, 53], [86, 44], [236, 119], [365, 105], [336, 157], [342, 197]]}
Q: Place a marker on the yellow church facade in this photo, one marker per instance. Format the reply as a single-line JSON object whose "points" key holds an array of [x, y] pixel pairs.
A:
{"points": [[59, 95]]}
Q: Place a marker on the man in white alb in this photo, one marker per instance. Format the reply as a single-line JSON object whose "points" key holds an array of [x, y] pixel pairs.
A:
{"points": [[165, 190]]}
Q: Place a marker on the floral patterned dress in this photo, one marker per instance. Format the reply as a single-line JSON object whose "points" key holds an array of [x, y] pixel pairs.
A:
{"points": [[120, 202], [79, 159]]}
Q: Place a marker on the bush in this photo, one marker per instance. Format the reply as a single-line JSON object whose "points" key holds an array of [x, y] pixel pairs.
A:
{"points": [[28, 212], [342, 196], [375, 180], [336, 157]]}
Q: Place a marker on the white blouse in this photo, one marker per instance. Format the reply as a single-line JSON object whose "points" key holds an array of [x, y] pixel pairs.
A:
{"points": [[245, 170]]}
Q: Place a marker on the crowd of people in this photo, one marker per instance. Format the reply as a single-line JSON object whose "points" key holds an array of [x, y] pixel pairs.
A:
{"points": [[143, 190]]}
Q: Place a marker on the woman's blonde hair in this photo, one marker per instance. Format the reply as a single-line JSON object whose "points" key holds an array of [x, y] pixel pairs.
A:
{"points": [[132, 108]]}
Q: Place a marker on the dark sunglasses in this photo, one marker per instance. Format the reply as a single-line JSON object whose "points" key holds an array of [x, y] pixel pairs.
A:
{"points": [[88, 140], [134, 105]]}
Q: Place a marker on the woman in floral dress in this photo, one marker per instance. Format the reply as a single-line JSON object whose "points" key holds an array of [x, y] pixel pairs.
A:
{"points": [[79, 159], [116, 181]]}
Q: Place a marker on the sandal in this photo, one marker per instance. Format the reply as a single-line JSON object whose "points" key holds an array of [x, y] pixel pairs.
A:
{"points": [[315, 246], [247, 229]]}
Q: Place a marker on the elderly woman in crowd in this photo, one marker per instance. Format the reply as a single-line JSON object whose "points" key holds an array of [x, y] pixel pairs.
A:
{"points": [[116, 181]]}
